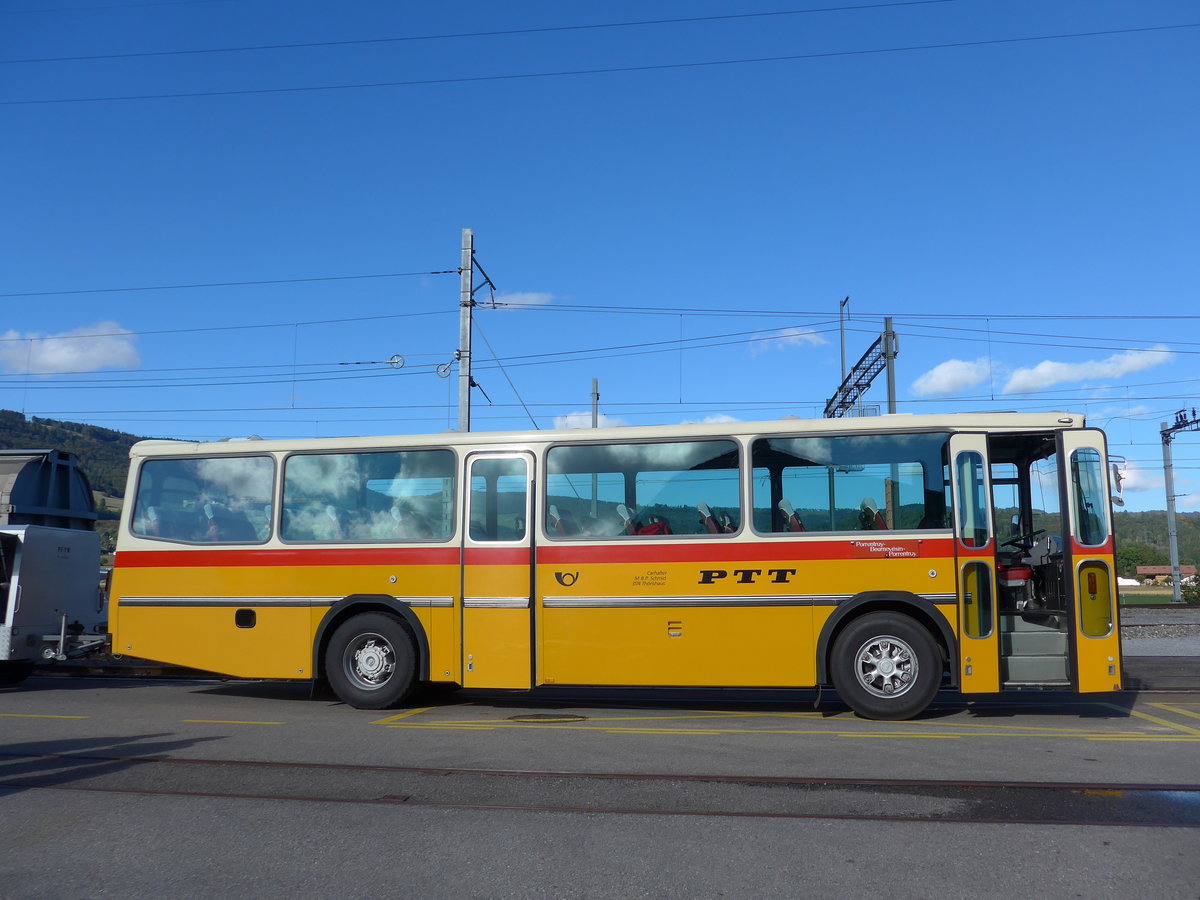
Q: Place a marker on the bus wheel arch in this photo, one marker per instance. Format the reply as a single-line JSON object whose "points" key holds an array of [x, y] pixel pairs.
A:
{"points": [[392, 623], [874, 632]]}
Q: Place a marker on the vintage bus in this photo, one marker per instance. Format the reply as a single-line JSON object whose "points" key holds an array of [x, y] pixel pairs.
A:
{"points": [[889, 557]]}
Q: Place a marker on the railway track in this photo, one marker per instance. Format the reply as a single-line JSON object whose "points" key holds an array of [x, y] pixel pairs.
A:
{"points": [[608, 793]]}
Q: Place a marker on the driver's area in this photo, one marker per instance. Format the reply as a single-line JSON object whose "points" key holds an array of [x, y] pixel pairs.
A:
{"points": [[1032, 594]]}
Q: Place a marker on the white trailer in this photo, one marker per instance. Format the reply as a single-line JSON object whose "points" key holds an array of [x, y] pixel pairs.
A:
{"points": [[51, 603]]}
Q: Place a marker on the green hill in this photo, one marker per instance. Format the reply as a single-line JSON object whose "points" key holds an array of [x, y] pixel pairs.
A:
{"points": [[103, 453]]}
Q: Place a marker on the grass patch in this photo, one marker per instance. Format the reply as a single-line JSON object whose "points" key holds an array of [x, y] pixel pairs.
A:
{"points": [[1130, 598]]}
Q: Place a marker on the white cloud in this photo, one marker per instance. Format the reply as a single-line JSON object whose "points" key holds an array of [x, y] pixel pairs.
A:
{"points": [[525, 298], [714, 419], [786, 337], [1123, 412], [88, 349], [1048, 372], [1188, 503], [583, 419], [952, 376]]}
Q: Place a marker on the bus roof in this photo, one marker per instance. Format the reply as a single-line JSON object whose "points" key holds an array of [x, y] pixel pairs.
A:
{"points": [[892, 423]]}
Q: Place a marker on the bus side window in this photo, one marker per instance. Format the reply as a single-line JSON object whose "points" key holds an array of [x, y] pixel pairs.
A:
{"points": [[205, 500], [369, 496], [642, 490], [848, 483]]}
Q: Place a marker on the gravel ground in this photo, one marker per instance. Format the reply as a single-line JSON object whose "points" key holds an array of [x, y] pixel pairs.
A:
{"points": [[1160, 631]]}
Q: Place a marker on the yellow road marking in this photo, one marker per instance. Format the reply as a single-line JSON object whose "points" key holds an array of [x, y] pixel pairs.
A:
{"points": [[404, 715], [880, 734], [227, 722], [1150, 739], [596, 723], [658, 731], [31, 716], [1177, 710], [1047, 730], [481, 726], [443, 727], [928, 729], [1157, 721]]}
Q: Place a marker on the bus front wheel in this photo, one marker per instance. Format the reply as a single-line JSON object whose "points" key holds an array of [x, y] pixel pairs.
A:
{"points": [[371, 662], [886, 666]]}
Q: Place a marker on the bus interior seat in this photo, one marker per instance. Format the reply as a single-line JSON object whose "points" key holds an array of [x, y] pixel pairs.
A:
{"points": [[655, 525], [715, 523], [791, 521], [222, 524], [562, 523], [870, 517]]}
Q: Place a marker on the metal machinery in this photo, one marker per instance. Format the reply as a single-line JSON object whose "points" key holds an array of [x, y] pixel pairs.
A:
{"points": [[51, 603]]}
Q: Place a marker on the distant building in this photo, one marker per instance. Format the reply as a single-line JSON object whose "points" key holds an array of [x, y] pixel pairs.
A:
{"points": [[1162, 574]]}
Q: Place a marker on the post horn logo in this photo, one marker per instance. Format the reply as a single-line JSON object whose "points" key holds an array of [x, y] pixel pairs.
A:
{"points": [[566, 579]]}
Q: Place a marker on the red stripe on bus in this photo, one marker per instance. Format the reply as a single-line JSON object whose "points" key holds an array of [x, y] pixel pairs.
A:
{"points": [[292, 556], [1078, 550], [497, 556], [551, 554], [733, 552]]}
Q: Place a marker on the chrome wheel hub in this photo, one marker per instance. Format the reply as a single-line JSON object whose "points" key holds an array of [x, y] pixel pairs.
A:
{"points": [[369, 661], [886, 666]]}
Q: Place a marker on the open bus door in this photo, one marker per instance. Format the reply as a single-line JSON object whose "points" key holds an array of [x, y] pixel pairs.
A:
{"points": [[975, 560], [497, 556], [1089, 569]]}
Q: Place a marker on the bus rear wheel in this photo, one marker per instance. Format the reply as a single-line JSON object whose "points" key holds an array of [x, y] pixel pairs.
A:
{"points": [[886, 666], [371, 662]]}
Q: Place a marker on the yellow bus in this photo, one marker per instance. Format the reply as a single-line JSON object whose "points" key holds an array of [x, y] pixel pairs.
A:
{"points": [[889, 557]]}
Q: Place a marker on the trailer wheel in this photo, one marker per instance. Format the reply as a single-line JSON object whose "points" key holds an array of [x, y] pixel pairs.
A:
{"points": [[886, 666], [13, 673], [371, 662]]}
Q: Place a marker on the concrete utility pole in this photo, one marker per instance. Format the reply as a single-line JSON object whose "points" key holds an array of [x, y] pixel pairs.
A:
{"points": [[842, 332], [595, 424], [1182, 423], [466, 303], [891, 346]]}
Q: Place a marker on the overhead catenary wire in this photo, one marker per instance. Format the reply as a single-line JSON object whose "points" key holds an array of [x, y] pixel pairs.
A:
{"points": [[220, 284], [105, 7], [206, 328], [504, 372], [546, 29], [606, 70]]}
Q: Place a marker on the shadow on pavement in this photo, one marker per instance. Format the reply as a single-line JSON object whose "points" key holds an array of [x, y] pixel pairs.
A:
{"points": [[69, 762]]}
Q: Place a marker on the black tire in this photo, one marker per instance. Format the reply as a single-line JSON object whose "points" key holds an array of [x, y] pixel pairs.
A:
{"points": [[13, 673], [371, 661], [886, 666]]}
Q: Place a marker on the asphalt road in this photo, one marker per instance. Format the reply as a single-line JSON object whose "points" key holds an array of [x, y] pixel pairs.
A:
{"points": [[142, 788]]}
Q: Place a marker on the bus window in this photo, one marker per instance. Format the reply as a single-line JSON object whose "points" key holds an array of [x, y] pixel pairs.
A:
{"points": [[1087, 484], [405, 495], [641, 490], [1043, 484], [973, 511], [850, 483], [498, 506], [206, 500]]}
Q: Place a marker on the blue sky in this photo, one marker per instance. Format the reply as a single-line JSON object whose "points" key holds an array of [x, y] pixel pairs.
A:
{"points": [[1025, 210]]}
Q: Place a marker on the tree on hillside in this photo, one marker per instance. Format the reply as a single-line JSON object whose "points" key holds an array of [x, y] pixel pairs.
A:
{"points": [[1131, 555]]}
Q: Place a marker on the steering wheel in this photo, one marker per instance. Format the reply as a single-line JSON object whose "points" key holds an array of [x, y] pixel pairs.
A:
{"points": [[1019, 541]]}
